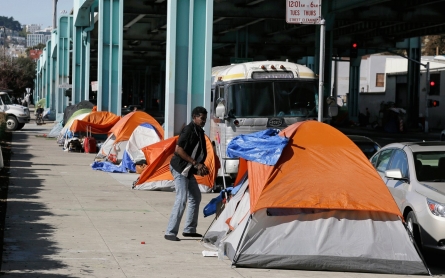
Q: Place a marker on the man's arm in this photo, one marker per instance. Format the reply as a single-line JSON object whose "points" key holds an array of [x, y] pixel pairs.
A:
{"points": [[180, 151]]}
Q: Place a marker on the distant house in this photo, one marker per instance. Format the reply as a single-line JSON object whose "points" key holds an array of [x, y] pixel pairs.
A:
{"points": [[37, 38], [35, 54]]}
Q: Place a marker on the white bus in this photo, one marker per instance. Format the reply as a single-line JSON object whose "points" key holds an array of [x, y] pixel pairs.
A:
{"points": [[254, 96]]}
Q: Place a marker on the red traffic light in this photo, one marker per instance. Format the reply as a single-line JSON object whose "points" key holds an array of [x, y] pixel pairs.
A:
{"points": [[432, 83], [432, 103], [354, 45]]}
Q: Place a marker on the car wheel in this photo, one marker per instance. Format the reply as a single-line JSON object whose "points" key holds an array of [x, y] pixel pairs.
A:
{"points": [[20, 126], [11, 123], [413, 227]]}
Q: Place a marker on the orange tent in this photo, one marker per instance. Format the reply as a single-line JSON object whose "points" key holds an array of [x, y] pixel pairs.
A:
{"points": [[100, 122], [315, 170], [158, 157], [125, 126]]}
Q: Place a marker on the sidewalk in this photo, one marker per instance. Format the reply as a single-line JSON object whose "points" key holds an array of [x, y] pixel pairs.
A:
{"points": [[66, 220]]}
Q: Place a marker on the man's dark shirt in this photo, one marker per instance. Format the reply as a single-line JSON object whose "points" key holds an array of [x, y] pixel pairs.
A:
{"points": [[191, 135]]}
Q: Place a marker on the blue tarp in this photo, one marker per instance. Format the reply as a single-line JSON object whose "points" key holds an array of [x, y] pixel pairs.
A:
{"points": [[125, 166], [263, 147], [210, 208]]}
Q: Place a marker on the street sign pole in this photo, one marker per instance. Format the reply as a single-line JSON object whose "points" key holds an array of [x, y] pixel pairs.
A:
{"points": [[321, 72], [309, 12], [426, 96]]}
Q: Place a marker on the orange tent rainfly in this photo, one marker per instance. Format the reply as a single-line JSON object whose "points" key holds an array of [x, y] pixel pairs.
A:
{"points": [[319, 168], [124, 128], [100, 122], [157, 175]]}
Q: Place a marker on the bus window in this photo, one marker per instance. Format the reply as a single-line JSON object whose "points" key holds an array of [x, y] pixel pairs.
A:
{"points": [[251, 99], [295, 98]]}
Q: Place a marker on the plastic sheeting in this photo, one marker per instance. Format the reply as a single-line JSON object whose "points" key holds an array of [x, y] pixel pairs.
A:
{"points": [[125, 166], [263, 147], [55, 131]]}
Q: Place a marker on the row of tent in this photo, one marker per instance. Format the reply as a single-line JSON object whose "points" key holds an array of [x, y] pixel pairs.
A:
{"points": [[130, 139], [301, 211]]}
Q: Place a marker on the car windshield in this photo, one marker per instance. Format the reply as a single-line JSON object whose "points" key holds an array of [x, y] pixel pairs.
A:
{"points": [[277, 98], [430, 166], [5, 98]]}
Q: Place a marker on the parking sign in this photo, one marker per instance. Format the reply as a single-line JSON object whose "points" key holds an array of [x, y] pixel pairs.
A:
{"points": [[303, 11]]}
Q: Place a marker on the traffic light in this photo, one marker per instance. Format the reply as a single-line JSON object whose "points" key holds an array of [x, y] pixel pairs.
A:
{"points": [[434, 84], [433, 103], [353, 51]]}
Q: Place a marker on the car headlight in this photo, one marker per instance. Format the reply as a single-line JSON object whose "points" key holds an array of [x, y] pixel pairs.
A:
{"points": [[22, 115], [436, 208]]}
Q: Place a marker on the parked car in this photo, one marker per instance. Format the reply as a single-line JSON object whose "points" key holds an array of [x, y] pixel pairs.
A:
{"points": [[415, 176], [368, 146], [130, 108], [442, 135]]}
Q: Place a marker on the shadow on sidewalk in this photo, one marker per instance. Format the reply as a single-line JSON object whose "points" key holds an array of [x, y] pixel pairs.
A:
{"points": [[27, 248]]}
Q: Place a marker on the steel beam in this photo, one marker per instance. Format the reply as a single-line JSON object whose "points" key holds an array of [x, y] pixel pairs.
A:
{"points": [[109, 72]]}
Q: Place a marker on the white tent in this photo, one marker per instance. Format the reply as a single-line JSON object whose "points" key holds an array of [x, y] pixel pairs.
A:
{"points": [[144, 135]]}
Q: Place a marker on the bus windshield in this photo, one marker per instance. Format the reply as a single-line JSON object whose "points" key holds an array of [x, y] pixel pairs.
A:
{"points": [[5, 98], [279, 98]]}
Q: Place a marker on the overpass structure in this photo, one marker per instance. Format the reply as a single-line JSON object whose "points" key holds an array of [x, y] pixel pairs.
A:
{"points": [[159, 53]]}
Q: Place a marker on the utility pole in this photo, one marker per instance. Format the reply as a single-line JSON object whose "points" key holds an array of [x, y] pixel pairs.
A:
{"points": [[54, 14], [4, 41]]}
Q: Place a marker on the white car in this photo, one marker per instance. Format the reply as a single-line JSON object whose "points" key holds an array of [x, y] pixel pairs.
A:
{"points": [[415, 176]]}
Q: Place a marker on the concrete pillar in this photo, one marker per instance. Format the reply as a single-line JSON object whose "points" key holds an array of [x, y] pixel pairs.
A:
{"points": [[188, 68], [64, 38], [83, 20], [109, 72]]}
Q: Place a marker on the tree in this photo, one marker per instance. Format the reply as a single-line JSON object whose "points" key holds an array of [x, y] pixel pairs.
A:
{"points": [[433, 45], [10, 23], [17, 74], [23, 33]]}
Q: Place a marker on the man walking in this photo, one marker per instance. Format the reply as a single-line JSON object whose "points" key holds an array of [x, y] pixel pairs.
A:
{"points": [[190, 154]]}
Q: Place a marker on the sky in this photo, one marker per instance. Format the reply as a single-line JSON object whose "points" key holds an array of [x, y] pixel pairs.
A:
{"points": [[34, 11]]}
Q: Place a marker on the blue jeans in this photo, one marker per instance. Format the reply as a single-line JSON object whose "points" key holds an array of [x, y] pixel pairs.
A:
{"points": [[186, 190]]}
